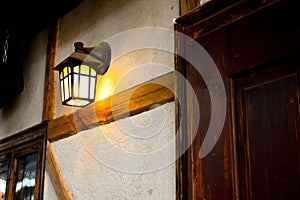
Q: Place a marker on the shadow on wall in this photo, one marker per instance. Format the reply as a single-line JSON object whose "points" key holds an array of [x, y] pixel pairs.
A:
{"points": [[11, 65]]}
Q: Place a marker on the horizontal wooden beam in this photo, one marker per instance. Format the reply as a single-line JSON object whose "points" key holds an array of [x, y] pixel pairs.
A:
{"points": [[121, 105]]}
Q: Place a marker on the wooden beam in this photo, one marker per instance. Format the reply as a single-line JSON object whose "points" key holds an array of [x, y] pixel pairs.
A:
{"points": [[61, 127], [188, 5], [127, 103], [60, 187], [52, 168], [48, 107]]}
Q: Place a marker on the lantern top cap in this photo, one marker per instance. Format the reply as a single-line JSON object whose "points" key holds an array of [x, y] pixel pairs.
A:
{"points": [[97, 57]]}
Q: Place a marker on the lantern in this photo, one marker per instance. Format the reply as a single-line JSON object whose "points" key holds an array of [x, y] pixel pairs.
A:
{"points": [[78, 73]]}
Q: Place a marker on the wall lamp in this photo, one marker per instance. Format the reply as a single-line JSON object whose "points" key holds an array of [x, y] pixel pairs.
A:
{"points": [[78, 73]]}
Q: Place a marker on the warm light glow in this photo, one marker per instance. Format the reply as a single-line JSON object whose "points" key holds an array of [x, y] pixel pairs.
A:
{"points": [[78, 86], [104, 88], [84, 69], [78, 102], [84, 84]]}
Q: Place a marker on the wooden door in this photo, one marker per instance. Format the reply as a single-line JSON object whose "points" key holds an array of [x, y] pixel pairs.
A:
{"points": [[268, 122], [255, 46]]}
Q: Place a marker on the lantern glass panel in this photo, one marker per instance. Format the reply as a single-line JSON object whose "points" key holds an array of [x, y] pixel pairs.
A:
{"points": [[65, 70], [61, 91], [93, 72], [76, 69], [92, 87], [84, 69], [66, 87], [84, 87], [76, 85], [70, 85]]}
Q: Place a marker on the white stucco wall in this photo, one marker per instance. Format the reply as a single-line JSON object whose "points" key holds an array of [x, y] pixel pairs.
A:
{"points": [[115, 21], [94, 169], [27, 108], [132, 158]]}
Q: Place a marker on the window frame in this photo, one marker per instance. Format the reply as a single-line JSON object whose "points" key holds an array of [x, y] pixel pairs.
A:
{"points": [[29, 141]]}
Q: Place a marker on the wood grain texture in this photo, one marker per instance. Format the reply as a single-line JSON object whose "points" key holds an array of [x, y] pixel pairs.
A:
{"points": [[245, 39], [188, 5], [268, 132], [48, 108], [61, 127], [121, 105], [52, 168]]}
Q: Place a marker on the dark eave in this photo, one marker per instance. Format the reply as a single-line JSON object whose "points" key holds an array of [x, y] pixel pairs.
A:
{"points": [[26, 18]]}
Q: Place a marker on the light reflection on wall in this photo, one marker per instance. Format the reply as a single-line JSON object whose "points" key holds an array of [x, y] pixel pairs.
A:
{"points": [[131, 69], [105, 87]]}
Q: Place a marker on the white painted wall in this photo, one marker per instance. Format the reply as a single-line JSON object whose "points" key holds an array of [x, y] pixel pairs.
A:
{"points": [[131, 158], [94, 169], [27, 108], [95, 21]]}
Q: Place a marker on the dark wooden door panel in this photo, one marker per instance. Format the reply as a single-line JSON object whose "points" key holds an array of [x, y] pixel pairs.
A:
{"points": [[255, 46], [268, 133], [207, 176]]}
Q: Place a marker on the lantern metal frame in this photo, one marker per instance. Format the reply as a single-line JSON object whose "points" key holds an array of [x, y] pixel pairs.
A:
{"points": [[80, 69]]}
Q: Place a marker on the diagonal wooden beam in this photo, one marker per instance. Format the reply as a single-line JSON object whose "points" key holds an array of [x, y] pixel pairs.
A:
{"points": [[60, 187], [127, 103]]}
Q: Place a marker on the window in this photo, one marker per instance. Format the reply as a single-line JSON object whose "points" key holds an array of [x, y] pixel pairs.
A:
{"points": [[22, 164]]}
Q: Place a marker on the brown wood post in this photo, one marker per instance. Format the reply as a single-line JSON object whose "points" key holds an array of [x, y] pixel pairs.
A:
{"points": [[60, 187], [49, 90]]}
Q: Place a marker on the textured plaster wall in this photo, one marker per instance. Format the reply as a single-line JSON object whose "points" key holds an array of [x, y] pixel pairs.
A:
{"points": [[93, 170], [26, 110], [95, 21], [125, 159]]}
